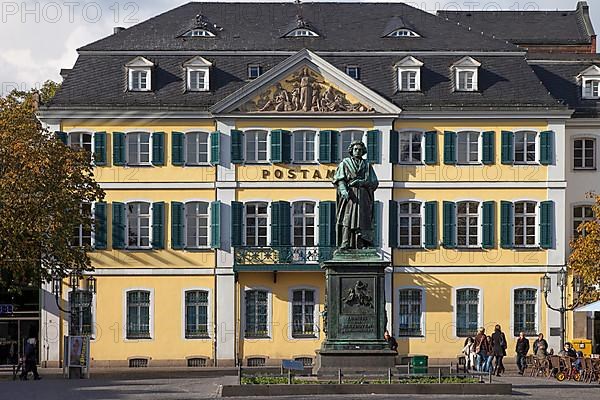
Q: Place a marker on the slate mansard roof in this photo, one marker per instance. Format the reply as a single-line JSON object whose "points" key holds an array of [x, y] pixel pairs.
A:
{"points": [[351, 34]]}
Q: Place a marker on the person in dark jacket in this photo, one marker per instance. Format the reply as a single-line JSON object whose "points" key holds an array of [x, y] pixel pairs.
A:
{"points": [[391, 341], [499, 349], [30, 359], [522, 348], [540, 347]]}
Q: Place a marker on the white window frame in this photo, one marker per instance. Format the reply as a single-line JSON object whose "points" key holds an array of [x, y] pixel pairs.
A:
{"points": [[256, 68], [269, 335], [409, 88], [410, 134], [478, 142], [353, 71], [538, 308], [536, 140], [593, 93], [581, 219], [255, 132], [150, 312], [536, 214], [397, 307], [352, 132], [141, 88], [301, 32], [186, 145], [150, 210], [137, 135], [455, 307], [185, 232], [210, 333], [479, 224], [403, 33], [199, 33], [474, 80], [205, 80], [305, 159], [315, 217], [411, 216], [80, 227], [245, 224], [316, 314], [583, 139], [71, 144]]}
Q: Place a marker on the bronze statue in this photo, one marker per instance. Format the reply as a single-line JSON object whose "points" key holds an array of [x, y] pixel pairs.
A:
{"points": [[356, 184]]}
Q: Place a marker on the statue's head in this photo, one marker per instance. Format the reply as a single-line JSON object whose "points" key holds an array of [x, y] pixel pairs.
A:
{"points": [[357, 149]]}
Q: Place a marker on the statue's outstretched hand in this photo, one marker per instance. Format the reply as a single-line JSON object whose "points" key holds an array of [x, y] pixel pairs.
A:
{"points": [[344, 193]]}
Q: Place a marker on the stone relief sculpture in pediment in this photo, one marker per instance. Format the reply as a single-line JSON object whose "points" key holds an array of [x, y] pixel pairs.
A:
{"points": [[304, 91]]}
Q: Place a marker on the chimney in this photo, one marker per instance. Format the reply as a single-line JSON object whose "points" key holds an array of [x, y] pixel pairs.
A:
{"points": [[118, 29]]}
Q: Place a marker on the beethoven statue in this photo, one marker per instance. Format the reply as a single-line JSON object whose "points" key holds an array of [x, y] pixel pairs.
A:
{"points": [[356, 183]]}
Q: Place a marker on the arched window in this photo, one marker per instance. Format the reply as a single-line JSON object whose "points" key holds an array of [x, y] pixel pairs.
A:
{"points": [[304, 146], [525, 315], [467, 312], [256, 145], [256, 224], [409, 223], [196, 314], [196, 224], [304, 223], [525, 223], [138, 225], [196, 148], [467, 226]]}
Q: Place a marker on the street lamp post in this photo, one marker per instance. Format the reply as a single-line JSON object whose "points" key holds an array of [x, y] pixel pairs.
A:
{"points": [[546, 287], [83, 296]]}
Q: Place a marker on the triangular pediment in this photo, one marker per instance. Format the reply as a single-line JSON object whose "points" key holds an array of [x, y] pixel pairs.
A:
{"points": [[592, 71], [305, 84]]}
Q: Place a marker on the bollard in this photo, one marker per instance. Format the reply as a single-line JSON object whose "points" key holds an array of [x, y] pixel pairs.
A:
{"points": [[389, 376], [491, 376], [289, 376], [339, 376], [439, 375], [239, 374]]}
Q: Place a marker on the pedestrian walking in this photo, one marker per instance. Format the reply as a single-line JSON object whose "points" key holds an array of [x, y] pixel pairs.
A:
{"points": [[499, 349], [522, 348], [30, 359], [470, 353]]}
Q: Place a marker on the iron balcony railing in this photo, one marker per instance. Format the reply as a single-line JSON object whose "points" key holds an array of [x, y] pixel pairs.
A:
{"points": [[281, 255]]}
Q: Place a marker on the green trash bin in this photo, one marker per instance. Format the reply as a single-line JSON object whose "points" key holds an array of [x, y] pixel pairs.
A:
{"points": [[418, 364]]}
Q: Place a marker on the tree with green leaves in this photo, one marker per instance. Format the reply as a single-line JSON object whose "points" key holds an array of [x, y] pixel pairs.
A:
{"points": [[43, 185], [585, 256]]}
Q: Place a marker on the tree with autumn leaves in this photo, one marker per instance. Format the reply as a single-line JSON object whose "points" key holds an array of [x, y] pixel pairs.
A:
{"points": [[585, 256], [43, 184]]}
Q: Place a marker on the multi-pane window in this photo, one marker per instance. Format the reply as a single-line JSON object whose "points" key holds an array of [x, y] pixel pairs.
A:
{"points": [[303, 313], [467, 224], [347, 137], [410, 312], [525, 147], [468, 147], [403, 33], [411, 151], [525, 304], [256, 224], [139, 80], [466, 80], [409, 224], [525, 223], [138, 148], [81, 141], [196, 314], [591, 88], [256, 146], [80, 303], [138, 225], [304, 146], [304, 223], [584, 153], [581, 214], [138, 314], [82, 235], [196, 224], [467, 312], [196, 148], [257, 313], [197, 80], [408, 80]]}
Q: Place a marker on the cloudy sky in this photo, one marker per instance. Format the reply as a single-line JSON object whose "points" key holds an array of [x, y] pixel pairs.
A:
{"points": [[40, 37]]}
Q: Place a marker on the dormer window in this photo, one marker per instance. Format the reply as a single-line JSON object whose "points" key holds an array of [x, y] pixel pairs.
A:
{"points": [[590, 83], [139, 74], [353, 71], [466, 75], [403, 32], [302, 32], [253, 71], [199, 33], [197, 74], [409, 74]]}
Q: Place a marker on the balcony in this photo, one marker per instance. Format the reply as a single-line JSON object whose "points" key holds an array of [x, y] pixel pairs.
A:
{"points": [[281, 258]]}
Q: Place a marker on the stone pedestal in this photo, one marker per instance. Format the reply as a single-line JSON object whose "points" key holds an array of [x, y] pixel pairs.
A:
{"points": [[355, 319]]}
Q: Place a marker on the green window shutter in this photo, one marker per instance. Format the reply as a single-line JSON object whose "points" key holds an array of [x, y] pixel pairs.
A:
{"points": [[377, 218], [506, 225], [276, 146], [431, 225], [546, 147], [177, 145], [431, 147], [237, 223], [393, 224], [547, 224], [286, 147], [100, 226], [449, 225], [327, 223], [281, 223], [118, 139], [158, 148], [237, 146], [449, 148], [394, 147], [215, 147], [325, 147], [507, 147], [373, 152], [62, 136], [335, 150], [118, 225], [100, 148], [488, 225], [177, 225], [488, 153], [215, 224], [158, 225]]}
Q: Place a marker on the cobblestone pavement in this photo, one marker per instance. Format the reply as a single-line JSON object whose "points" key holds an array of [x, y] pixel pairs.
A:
{"points": [[184, 388]]}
